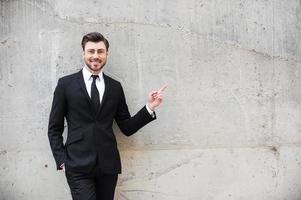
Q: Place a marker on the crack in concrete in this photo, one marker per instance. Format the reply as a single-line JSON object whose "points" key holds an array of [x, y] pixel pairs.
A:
{"points": [[164, 25], [163, 171], [123, 196], [182, 29], [208, 147], [166, 170], [156, 192]]}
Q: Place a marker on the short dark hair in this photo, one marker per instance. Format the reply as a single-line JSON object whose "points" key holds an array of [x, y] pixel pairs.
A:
{"points": [[94, 37]]}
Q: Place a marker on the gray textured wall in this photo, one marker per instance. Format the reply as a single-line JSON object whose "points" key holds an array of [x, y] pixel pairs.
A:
{"points": [[230, 126]]}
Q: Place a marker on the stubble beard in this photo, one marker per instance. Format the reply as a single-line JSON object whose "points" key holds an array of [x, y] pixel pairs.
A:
{"points": [[92, 69]]}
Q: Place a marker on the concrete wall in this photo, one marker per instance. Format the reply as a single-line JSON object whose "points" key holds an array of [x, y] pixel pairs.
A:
{"points": [[230, 126]]}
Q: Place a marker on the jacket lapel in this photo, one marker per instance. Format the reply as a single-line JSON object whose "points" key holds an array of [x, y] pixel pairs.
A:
{"points": [[83, 86]]}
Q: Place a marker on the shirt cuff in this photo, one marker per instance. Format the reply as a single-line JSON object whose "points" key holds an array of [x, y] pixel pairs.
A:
{"points": [[150, 111]]}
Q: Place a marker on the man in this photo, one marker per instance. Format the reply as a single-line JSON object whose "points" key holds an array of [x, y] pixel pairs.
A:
{"points": [[89, 100]]}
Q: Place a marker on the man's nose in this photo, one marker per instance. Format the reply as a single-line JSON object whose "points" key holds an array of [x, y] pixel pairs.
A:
{"points": [[95, 55]]}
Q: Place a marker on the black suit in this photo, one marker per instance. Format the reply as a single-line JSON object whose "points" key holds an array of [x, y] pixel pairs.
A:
{"points": [[91, 142]]}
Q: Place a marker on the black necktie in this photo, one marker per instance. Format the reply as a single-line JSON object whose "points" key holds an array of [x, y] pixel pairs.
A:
{"points": [[95, 94]]}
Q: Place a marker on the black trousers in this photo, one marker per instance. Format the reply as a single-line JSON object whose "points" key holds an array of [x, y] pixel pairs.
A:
{"points": [[91, 186]]}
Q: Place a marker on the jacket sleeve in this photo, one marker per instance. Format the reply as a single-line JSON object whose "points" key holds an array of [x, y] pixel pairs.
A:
{"points": [[56, 124], [130, 124]]}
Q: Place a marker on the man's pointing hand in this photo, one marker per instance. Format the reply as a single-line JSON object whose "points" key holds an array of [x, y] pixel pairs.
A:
{"points": [[155, 98]]}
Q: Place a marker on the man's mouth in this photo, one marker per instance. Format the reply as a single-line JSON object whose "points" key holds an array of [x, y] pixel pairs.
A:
{"points": [[95, 62]]}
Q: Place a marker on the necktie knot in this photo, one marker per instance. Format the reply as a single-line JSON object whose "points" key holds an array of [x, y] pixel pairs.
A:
{"points": [[94, 77]]}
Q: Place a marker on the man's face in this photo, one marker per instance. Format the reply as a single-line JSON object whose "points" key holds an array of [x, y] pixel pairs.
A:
{"points": [[95, 56]]}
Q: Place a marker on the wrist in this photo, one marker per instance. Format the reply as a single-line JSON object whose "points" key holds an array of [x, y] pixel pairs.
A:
{"points": [[151, 107]]}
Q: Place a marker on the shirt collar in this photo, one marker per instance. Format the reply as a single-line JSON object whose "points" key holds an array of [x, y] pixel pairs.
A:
{"points": [[87, 74]]}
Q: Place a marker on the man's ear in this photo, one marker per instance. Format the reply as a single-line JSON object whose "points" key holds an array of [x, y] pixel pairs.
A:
{"points": [[83, 54]]}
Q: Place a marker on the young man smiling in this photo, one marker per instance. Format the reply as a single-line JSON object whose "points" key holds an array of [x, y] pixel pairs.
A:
{"points": [[90, 101]]}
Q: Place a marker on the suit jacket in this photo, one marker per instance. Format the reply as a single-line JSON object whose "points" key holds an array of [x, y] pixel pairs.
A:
{"points": [[90, 137]]}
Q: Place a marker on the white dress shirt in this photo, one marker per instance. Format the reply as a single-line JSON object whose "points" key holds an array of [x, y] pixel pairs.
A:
{"points": [[100, 84]]}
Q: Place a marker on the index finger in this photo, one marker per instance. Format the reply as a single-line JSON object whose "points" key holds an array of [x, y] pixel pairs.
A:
{"points": [[162, 88]]}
